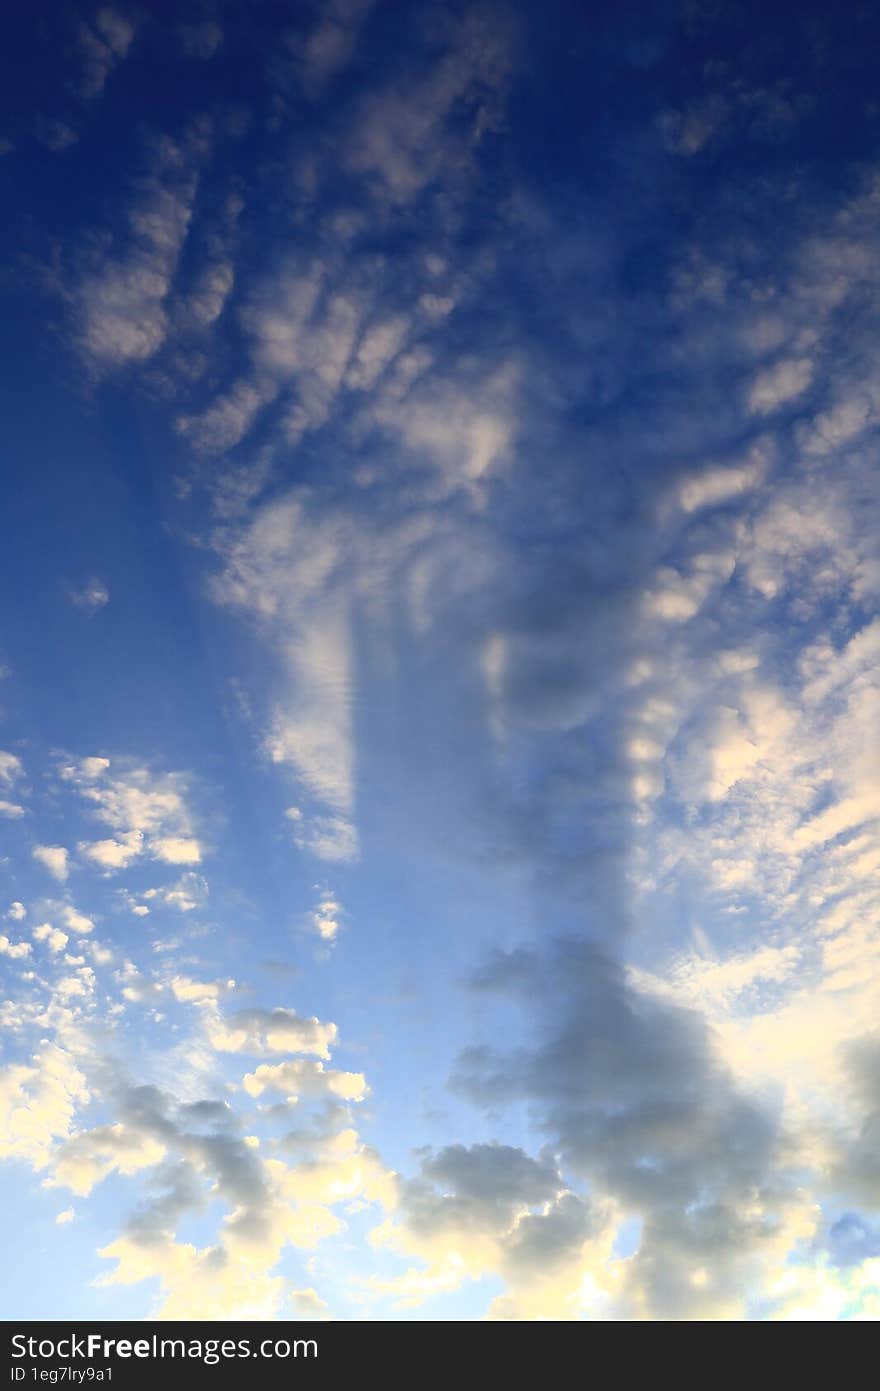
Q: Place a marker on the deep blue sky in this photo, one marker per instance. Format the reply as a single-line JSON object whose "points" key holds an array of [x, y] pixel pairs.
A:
{"points": [[439, 777]]}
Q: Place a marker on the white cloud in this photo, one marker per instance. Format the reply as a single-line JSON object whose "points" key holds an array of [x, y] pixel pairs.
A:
{"points": [[709, 487], [113, 854], [325, 919], [15, 950], [697, 981], [10, 768], [208, 299], [228, 419], [330, 838], [270, 1031], [284, 570], [38, 1102], [189, 991], [122, 306], [308, 1304], [76, 921], [55, 939], [779, 384], [463, 432], [189, 892], [379, 345], [93, 595], [305, 1079], [676, 597], [176, 850], [147, 812], [89, 1156], [54, 858]]}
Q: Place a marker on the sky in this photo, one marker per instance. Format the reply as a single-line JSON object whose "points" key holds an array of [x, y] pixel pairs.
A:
{"points": [[440, 701]]}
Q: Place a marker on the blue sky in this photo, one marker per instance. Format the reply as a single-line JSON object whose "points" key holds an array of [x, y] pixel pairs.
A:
{"points": [[439, 777]]}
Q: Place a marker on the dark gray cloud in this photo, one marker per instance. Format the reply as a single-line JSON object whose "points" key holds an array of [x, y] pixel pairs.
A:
{"points": [[857, 1171], [501, 1191], [630, 1091]]}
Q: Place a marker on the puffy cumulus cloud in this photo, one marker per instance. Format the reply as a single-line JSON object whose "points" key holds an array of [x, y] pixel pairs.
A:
{"points": [[113, 854], [176, 850], [15, 950], [55, 939], [184, 1150], [150, 986], [66, 913], [91, 1155], [38, 1104], [148, 813], [197, 992], [187, 1150], [12, 810], [270, 1031], [121, 303], [199, 1283], [195, 1154], [233, 1279], [492, 1209], [302, 1078], [308, 1304], [638, 1103], [16, 911], [54, 858], [93, 595]]}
